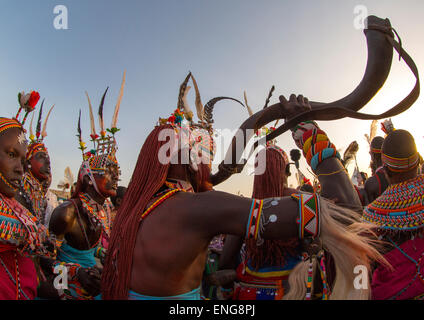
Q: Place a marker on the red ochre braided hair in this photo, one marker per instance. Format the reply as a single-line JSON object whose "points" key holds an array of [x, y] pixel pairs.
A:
{"points": [[148, 177], [267, 185]]}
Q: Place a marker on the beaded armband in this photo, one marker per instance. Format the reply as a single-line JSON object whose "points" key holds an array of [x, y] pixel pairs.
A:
{"points": [[314, 143], [309, 214], [255, 223]]}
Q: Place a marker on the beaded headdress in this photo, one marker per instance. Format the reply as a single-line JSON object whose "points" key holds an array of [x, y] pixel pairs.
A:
{"points": [[37, 142], [103, 154], [197, 136]]}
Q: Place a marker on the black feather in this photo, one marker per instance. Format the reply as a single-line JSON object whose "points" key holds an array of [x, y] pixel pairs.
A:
{"points": [[102, 102], [79, 125], [269, 96], [40, 114]]}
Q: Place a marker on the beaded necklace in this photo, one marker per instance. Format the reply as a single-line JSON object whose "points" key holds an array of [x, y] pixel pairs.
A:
{"points": [[399, 208], [34, 191], [98, 214], [172, 187]]}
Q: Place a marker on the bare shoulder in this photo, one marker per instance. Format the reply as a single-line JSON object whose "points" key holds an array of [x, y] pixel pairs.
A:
{"points": [[62, 217]]}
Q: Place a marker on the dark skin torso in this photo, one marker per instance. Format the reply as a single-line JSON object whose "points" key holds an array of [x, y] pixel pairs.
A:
{"points": [[65, 224], [171, 246]]}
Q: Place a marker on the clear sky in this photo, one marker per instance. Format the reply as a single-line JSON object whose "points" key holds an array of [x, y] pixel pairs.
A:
{"points": [[302, 47]]}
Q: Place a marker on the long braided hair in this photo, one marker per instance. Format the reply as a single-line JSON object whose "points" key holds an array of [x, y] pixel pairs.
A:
{"points": [[148, 177], [267, 185]]}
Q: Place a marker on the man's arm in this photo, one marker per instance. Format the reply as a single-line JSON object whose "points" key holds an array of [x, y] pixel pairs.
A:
{"points": [[215, 212]]}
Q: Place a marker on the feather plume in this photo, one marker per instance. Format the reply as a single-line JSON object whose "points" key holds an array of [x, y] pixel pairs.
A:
{"points": [[79, 127], [40, 114], [92, 122], [269, 96], [69, 177], [198, 101], [31, 132], [387, 126], [373, 129], [118, 103], [101, 120], [44, 131], [350, 153], [247, 106]]}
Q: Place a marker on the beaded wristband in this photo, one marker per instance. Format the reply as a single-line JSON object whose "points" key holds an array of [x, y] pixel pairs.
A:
{"points": [[322, 155], [309, 214], [314, 139], [317, 148]]}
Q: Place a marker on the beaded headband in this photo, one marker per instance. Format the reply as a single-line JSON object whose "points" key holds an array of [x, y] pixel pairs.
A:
{"points": [[6, 123], [375, 150], [400, 164]]}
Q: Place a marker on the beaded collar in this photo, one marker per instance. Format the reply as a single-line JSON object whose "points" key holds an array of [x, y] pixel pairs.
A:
{"points": [[400, 207], [34, 190], [19, 227], [98, 214]]}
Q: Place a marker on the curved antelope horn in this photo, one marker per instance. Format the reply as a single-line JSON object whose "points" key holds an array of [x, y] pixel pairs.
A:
{"points": [[199, 105], [44, 131], [208, 110], [183, 86], [380, 43]]}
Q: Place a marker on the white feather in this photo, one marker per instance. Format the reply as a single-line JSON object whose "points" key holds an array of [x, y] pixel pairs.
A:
{"points": [[44, 131], [247, 106], [92, 122], [118, 103]]}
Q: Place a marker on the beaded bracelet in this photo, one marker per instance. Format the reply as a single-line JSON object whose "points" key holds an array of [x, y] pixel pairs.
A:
{"points": [[322, 155], [319, 136], [317, 148]]}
